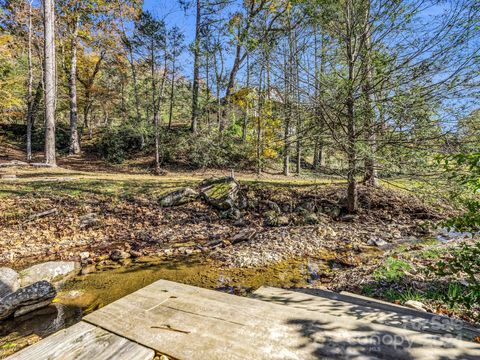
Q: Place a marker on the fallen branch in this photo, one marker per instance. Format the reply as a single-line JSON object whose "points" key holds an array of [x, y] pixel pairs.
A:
{"points": [[42, 214]]}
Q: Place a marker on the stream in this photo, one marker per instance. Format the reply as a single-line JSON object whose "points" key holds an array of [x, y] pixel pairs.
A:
{"points": [[101, 285], [112, 281]]}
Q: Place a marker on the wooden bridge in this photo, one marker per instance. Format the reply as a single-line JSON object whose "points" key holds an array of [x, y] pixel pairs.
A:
{"points": [[186, 322]]}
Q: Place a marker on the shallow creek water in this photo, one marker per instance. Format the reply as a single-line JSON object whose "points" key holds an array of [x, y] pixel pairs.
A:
{"points": [[86, 293], [112, 281]]}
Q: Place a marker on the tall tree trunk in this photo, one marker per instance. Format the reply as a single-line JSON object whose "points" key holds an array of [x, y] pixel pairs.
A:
{"points": [[72, 84], [319, 156], [172, 95], [49, 74], [245, 115], [350, 104], [196, 72], [297, 108], [158, 111], [259, 121], [29, 85], [155, 110], [370, 177], [234, 71]]}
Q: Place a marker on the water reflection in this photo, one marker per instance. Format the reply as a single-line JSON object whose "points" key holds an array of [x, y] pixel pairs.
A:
{"points": [[42, 322]]}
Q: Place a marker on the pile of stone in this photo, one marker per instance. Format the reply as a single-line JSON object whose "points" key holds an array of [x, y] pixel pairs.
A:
{"points": [[32, 288]]}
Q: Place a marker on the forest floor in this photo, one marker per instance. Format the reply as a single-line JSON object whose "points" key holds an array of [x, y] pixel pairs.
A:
{"points": [[83, 208]]}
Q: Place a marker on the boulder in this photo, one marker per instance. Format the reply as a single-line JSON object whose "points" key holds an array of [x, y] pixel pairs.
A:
{"points": [[221, 193], [53, 271], [271, 205], [307, 205], [232, 214], [178, 197], [330, 208], [244, 235], [9, 281], [311, 218], [117, 255], [274, 219], [27, 299]]}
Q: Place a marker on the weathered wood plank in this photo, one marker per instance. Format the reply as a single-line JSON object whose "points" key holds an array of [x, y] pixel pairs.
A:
{"points": [[84, 341], [186, 322], [356, 307]]}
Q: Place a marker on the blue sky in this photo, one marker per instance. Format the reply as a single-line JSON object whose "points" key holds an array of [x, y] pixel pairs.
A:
{"points": [[170, 11]]}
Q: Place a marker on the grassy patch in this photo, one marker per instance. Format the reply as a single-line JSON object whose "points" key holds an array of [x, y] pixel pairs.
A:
{"points": [[392, 270]]}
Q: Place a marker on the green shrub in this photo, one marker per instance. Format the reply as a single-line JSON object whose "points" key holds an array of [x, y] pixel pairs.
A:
{"points": [[116, 144], [463, 264]]}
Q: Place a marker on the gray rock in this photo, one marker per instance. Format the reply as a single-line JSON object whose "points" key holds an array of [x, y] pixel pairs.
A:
{"points": [[178, 197], [117, 255], [9, 281], [244, 235], [311, 219], [29, 308], [331, 209], [53, 271], [221, 193], [417, 305], [135, 253], [274, 219], [88, 220], [377, 242], [308, 205], [41, 292], [348, 218], [84, 256], [272, 206], [233, 214]]}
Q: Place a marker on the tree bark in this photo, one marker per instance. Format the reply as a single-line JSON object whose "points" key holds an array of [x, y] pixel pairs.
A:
{"points": [[29, 86], [72, 84], [196, 72], [172, 95], [370, 176], [350, 104], [245, 115], [49, 81], [154, 108], [259, 121]]}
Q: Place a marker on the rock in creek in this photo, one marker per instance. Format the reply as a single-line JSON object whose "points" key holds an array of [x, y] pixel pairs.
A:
{"points": [[179, 197], [9, 281], [117, 255], [27, 299], [53, 271]]}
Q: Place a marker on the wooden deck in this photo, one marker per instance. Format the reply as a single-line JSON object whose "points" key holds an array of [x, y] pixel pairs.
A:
{"points": [[186, 322]]}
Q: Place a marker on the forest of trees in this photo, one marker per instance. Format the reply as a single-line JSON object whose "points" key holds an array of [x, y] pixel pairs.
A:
{"points": [[357, 88]]}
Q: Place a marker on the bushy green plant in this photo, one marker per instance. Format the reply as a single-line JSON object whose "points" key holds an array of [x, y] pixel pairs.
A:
{"points": [[62, 138], [464, 264], [464, 169], [115, 144]]}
